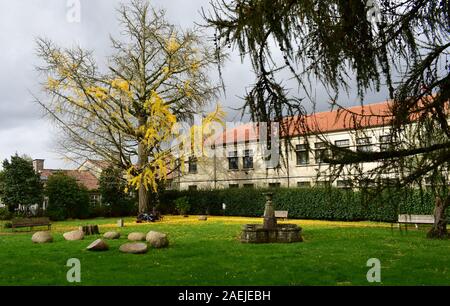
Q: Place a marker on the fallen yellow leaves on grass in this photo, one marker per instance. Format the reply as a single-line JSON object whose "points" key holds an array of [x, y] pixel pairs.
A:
{"points": [[193, 220]]}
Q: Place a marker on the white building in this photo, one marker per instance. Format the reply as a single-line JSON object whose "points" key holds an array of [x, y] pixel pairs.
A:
{"points": [[236, 159]]}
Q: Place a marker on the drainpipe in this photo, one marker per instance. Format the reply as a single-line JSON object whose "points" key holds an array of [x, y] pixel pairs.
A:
{"points": [[215, 168], [287, 164]]}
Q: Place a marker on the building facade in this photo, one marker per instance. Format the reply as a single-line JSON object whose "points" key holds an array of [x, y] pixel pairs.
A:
{"points": [[236, 158]]}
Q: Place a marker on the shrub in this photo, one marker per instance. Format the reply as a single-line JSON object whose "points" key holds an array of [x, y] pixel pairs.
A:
{"points": [[5, 214], [182, 205], [66, 199], [115, 202], [7, 225], [305, 203]]}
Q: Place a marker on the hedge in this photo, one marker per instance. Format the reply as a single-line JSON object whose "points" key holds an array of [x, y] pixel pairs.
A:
{"points": [[305, 203]]}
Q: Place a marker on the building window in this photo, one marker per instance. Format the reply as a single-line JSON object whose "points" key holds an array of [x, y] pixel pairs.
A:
{"points": [[275, 185], [249, 185], [95, 199], [233, 162], [192, 165], [302, 154], [192, 187], [45, 205], [323, 184], [386, 143], [248, 159], [363, 144], [303, 184], [344, 184], [320, 152], [233, 186], [366, 183], [389, 182], [344, 144]]}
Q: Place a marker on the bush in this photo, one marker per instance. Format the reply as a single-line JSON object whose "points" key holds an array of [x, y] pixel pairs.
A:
{"points": [[5, 214], [7, 225], [305, 203], [120, 208], [182, 205], [124, 207], [66, 199], [115, 202]]}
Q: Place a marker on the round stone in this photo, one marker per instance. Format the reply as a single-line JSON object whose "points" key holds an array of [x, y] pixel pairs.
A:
{"points": [[42, 237], [111, 235], [98, 245], [74, 235], [134, 248], [136, 236], [157, 239]]}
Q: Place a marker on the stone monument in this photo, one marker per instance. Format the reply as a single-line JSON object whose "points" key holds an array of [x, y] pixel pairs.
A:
{"points": [[270, 231]]}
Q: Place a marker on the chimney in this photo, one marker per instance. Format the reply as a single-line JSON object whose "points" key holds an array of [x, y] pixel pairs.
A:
{"points": [[38, 165]]}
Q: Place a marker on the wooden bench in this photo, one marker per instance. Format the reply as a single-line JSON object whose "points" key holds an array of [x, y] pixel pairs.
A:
{"points": [[281, 214], [30, 222], [415, 219]]}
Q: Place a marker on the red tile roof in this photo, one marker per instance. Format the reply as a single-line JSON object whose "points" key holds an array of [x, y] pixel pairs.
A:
{"points": [[242, 133], [83, 177], [102, 164], [366, 116], [370, 115]]}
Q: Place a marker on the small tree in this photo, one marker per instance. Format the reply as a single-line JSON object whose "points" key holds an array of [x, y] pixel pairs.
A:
{"points": [[20, 184], [112, 189], [66, 199]]}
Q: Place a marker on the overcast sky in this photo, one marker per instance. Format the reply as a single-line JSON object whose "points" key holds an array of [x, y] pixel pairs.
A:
{"points": [[23, 129]]}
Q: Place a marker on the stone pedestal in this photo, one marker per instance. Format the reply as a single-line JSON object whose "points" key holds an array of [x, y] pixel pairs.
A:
{"points": [[270, 221]]}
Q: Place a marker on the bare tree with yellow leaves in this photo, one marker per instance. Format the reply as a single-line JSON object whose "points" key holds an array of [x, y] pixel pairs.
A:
{"points": [[157, 76]]}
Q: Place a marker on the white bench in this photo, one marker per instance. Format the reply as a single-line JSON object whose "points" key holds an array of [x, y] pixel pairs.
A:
{"points": [[415, 219], [281, 214]]}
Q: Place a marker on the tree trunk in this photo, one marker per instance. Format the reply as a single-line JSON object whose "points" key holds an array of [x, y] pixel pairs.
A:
{"points": [[143, 199], [439, 229], [143, 192], [89, 229]]}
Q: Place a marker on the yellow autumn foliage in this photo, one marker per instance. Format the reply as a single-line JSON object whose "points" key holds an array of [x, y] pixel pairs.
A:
{"points": [[172, 44], [52, 84], [97, 92], [195, 66], [166, 70], [121, 85]]}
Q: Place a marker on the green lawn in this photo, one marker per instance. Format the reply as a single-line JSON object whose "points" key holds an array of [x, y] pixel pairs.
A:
{"points": [[209, 253]]}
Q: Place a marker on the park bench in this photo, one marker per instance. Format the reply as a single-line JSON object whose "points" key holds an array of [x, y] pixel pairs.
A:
{"points": [[415, 219], [281, 214], [30, 222]]}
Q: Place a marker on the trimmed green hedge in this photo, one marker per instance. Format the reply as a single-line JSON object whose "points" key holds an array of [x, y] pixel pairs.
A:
{"points": [[305, 203]]}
